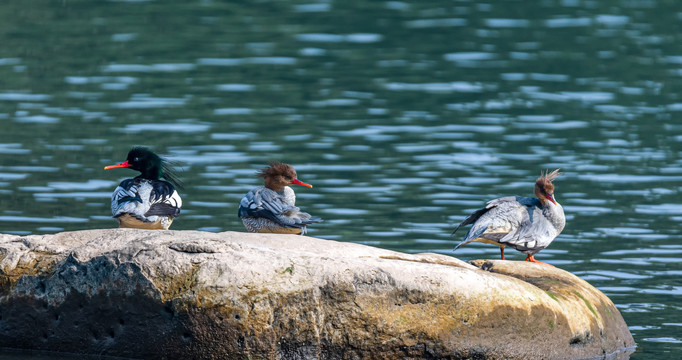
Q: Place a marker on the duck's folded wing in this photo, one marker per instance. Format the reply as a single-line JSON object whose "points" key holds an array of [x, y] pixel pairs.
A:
{"points": [[533, 235], [260, 203], [163, 191], [125, 199], [143, 199], [298, 218], [164, 200], [268, 204], [499, 218], [163, 209]]}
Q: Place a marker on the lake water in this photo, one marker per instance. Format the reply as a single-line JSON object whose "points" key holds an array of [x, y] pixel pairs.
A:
{"points": [[404, 115]]}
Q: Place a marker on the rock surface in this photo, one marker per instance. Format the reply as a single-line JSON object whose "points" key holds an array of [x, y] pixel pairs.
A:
{"points": [[199, 295]]}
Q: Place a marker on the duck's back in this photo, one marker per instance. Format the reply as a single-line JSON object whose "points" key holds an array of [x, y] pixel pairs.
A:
{"points": [[266, 210], [500, 216], [148, 201], [515, 221]]}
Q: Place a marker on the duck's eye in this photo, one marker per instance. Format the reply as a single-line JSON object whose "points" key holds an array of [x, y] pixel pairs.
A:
{"points": [[136, 159]]}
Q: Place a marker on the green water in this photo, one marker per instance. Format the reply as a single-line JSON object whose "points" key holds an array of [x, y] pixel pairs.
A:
{"points": [[405, 116]]}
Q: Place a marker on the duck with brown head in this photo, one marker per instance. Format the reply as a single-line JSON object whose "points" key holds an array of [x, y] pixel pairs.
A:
{"points": [[523, 223], [272, 208]]}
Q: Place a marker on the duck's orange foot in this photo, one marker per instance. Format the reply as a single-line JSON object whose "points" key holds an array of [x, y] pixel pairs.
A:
{"points": [[531, 258]]}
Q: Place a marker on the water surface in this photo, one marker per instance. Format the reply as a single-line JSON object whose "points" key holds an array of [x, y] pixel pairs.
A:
{"points": [[404, 115]]}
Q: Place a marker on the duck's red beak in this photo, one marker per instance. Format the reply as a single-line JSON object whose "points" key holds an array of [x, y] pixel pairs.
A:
{"points": [[124, 164], [550, 197], [299, 182]]}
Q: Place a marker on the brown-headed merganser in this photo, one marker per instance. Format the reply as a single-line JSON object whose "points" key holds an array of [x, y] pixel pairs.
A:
{"points": [[146, 201], [272, 208], [523, 223]]}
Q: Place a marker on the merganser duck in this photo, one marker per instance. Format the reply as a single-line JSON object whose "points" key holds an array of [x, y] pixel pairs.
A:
{"points": [[523, 223], [146, 201], [272, 208]]}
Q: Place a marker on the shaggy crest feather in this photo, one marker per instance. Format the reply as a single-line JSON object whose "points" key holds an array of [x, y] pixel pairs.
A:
{"points": [[277, 168], [546, 178], [168, 172], [550, 176]]}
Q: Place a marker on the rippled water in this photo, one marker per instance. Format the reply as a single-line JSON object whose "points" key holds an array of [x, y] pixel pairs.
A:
{"points": [[405, 116]]}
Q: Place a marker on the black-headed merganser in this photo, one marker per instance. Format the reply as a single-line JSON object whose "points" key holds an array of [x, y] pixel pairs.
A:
{"points": [[523, 223], [146, 201], [272, 208]]}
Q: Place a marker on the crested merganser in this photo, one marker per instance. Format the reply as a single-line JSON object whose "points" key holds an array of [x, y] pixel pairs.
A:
{"points": [[523, 223], [146, 201], [272, 208]]}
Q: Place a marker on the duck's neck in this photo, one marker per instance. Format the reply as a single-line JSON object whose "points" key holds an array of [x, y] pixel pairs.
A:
{"points": [[555, 214], [289, 195], [152, 173], [273, 185]]}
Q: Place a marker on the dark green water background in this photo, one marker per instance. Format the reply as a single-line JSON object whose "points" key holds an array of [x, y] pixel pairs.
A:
{"points": [[404, 115]]}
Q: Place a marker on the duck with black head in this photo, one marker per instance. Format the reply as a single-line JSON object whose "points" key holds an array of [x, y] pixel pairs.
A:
{"points": [[146, 201], [523, 223], [272, 208]]}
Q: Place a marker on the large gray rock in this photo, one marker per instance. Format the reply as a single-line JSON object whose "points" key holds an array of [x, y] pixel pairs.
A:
{"points": [[198, 295]]}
